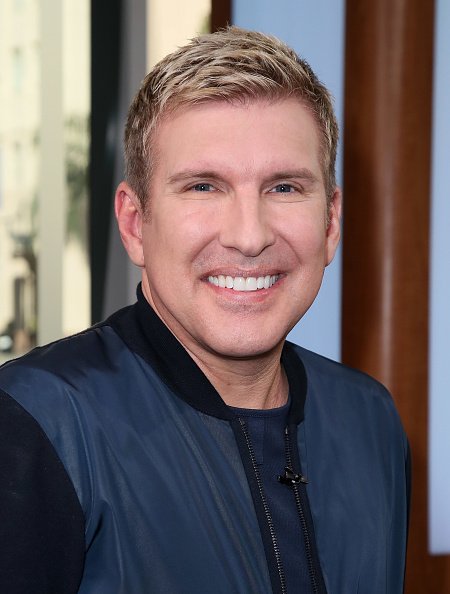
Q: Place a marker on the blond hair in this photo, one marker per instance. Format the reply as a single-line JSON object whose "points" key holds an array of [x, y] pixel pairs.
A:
{"points": [[233, 65]]}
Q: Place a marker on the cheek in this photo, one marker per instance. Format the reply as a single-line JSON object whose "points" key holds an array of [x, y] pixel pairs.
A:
{"points": [[175, 237], [306, 239], [195, 223]]}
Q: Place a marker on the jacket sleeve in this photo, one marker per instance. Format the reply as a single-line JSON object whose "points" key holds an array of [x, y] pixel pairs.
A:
{"points": [[41, 520]]}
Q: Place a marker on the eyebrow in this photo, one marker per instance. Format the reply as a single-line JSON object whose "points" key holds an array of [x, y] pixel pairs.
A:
{"points": [[192, 174], [304, 174]]}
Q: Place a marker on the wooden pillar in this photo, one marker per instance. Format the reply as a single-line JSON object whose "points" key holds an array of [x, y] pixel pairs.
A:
{"points": [[389, 64], [220, 14]]}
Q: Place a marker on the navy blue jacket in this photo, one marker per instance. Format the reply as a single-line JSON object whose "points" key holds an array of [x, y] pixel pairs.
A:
{"points": [[122, 471]]}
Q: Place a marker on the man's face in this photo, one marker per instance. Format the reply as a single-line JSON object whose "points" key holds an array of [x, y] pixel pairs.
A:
{"points": [[236, 242]]}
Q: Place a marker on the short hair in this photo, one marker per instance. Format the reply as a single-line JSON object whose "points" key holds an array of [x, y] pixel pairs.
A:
{"points": [[233, 65]]}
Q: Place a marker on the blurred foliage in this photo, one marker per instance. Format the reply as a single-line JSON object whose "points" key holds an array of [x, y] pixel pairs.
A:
{"points": [[76, 137]]}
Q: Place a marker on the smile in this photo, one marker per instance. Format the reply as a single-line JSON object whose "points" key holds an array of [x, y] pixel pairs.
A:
{"points": [[239, 283]]}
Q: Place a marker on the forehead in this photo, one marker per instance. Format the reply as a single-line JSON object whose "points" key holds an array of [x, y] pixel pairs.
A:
{"points": [[235, 136]]}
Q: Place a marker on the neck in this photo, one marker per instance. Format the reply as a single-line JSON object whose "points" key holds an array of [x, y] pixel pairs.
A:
{"points": [[258, 383]]}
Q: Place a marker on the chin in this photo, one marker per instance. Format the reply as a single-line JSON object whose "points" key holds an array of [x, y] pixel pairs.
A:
{"points": [[245, 348]]}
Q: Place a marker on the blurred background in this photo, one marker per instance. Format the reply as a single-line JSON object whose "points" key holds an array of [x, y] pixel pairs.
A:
{"points": [[68, 71]]}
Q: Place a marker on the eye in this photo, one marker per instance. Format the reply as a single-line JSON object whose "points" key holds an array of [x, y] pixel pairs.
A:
{"points": [[283, 189], [203, 187]]}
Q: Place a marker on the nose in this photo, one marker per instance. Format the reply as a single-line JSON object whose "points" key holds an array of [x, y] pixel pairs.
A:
{"points": [[245, 225]]}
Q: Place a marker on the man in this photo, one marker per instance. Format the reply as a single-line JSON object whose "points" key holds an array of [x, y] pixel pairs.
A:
{"points": [[183, 446]]}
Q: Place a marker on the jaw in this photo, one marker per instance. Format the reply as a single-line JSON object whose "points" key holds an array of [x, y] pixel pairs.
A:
{"points": [[224, 321]]}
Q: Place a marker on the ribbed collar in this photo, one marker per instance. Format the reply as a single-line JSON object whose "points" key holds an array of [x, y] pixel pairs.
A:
{"points": [[146, 335]]}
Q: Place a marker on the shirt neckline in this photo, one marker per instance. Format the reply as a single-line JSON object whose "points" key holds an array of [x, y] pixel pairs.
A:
{"points": [[265, 413]]}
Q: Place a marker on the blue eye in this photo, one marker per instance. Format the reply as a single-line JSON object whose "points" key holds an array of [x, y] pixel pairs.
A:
{"points": [[203, 187], [283, 189]]}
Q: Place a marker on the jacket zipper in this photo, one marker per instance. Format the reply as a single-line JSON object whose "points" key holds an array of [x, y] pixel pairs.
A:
{"points": [[273, 536], [293, 479]]}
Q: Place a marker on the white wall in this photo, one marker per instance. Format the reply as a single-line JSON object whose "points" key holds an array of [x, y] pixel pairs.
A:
{"points": [[316, 31]]}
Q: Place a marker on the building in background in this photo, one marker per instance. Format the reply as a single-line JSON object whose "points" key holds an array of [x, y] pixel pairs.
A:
{"points": [[19, 153], [21, 195]]}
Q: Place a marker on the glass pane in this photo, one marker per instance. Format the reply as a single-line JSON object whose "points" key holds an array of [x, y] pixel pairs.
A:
{"points": [[22, 238]]}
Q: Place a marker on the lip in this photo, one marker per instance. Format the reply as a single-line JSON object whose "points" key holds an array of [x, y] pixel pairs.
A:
{"points": [[243, 273]]}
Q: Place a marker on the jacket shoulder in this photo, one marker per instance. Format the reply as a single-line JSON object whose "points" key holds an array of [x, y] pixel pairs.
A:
{"points": [[57, 358], [345, 395], [334, 374], [53, 382]]}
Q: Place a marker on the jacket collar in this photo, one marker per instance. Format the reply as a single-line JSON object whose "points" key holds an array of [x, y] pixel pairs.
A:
{"points": [[146, 335]]}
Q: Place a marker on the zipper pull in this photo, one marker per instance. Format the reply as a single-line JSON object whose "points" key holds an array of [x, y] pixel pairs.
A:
{"points": [[291, 478]]}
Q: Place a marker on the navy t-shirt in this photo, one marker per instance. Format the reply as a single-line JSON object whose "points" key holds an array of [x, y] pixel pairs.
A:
{"points": [[266, 430]]}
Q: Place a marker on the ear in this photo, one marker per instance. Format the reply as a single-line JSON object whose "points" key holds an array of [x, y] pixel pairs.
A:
{"points": [[129, 219], [333, 232]]}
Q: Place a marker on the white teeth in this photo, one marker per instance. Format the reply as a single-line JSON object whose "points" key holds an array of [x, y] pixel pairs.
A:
{"points": [[251, 283], [239, 283]]}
